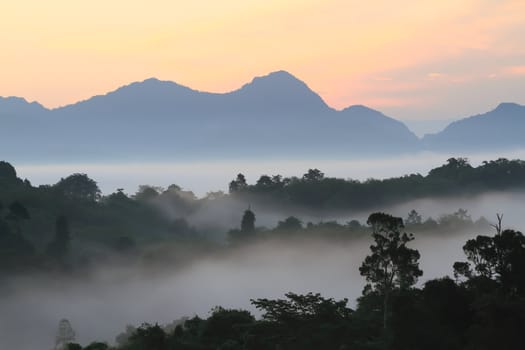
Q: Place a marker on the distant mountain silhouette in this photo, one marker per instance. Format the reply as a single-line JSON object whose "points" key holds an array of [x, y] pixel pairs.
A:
{"points": [[17, 106], [276, 115], [501, 128]]}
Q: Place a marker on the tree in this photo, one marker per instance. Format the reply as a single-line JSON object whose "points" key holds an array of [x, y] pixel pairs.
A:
{"points": [[313, 175], [500, 258], [65, 334], [7, 173], [97, 346], [265, 182], [239, 184], [224, 324], [151, 337], [456, 168], [248, 222], [79, 186], [147, 193], [291, 223], [303, 322], [297, 306], [413, 218], [392, 265]]}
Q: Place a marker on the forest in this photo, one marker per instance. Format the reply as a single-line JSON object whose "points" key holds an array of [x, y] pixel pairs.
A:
{"points": [[481, 307], [71, 229], [69, 224]]}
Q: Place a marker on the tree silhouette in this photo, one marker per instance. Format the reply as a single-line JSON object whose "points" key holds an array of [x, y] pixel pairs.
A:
{"points": [[79, 186], [7, 172], [500, 258], [238, 184], [392, 265], [413, 218], [248, 222], [313, 175], [291, 223]]}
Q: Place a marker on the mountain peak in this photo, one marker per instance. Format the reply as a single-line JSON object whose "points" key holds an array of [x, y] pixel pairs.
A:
{"points": [[277, 79], [360, 108], [281, 90], [152, 84], [280, 74], [15, 105], [15, 100], [507, 107]]}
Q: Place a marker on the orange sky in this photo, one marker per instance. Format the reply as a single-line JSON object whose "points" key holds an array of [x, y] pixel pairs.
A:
{"points": [[412, 59]]}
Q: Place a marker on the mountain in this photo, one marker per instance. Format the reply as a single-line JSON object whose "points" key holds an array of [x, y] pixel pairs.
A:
{"points": [[276, 115], [17, 106], [501, 128]]}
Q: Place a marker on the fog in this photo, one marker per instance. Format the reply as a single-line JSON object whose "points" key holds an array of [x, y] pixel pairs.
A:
{"points": [[101, 304], [225, 213], [204, 176], [99, 307]]}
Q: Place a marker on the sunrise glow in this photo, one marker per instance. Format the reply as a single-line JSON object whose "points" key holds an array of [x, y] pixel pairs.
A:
{"points": [[400, 56]]}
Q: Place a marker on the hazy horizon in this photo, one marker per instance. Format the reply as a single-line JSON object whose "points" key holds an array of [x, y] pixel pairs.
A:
{"points": [[202, 176]]}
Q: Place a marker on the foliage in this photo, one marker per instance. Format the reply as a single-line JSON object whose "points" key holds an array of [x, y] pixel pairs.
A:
{"points": [[443, 314], [391, 265], [316, 191], [80, 187], [248, 222]]}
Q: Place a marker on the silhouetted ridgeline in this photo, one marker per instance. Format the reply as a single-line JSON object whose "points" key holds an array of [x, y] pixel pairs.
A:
{"points": [[500, 128], [276, 115]]}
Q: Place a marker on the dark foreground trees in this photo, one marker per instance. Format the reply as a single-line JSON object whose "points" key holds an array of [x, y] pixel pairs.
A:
{"points": [[482, 309], [392, 265]]}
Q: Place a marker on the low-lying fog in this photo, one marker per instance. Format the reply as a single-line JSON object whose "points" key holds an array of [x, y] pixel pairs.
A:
{"points": [[100, 307], [204, 176], [226, 213]]}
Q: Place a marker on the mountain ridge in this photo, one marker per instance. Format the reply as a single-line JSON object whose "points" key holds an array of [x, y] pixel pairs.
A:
{"points": [[274, 114], [501, 127]]}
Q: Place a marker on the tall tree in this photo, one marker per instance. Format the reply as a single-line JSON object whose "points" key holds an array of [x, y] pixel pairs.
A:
{"points": [[248, 221], [238, 184], [392, 265], [500, 258]]}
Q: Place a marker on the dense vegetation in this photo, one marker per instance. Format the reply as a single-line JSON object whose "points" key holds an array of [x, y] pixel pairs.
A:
{"points": [[483, 307], [315, 191], [69, 224], [66, 226]]}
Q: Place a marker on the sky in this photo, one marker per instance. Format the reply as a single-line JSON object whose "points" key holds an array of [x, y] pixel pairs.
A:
{"points": [[411, 59]]}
